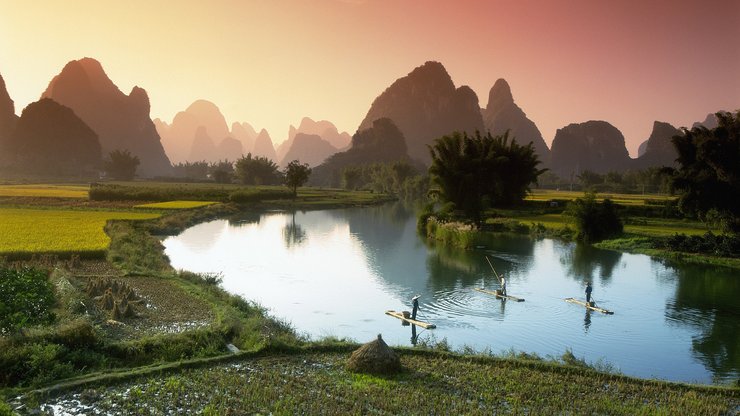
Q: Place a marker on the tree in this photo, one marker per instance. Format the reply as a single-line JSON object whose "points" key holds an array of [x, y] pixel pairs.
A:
{"points": [[473, 172], [594, 221], [296, 174], [121, 165], [257, 170], [222, 171], [708, 177]]}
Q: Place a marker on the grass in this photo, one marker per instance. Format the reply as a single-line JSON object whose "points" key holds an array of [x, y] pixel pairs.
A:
{"points": [[309, 382], [45, 191], [176, 205], [25, 232]]}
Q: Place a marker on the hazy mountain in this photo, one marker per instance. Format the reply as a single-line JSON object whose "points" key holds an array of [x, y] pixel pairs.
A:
{"points": [[308, 148], [245, 133], [202, 147], [709, 122], [263, 146], [120, 121], [383, 142], [425, 105], [50, 138], [326, 130], [659, 150], [641, 150], [594, 145], [502, 114], [184, 141]]}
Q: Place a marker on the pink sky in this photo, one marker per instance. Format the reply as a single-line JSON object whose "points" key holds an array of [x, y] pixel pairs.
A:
{"points": [[271, 62]]}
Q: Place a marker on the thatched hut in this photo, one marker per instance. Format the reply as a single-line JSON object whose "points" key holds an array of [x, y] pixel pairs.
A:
{"points": [[374, 357]]}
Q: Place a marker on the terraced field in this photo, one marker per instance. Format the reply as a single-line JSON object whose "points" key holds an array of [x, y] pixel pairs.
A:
{"points": [[176, 205], [45, 190]]}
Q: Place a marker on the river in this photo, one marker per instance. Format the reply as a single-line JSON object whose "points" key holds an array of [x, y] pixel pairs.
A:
{"points": [[335, 273]]}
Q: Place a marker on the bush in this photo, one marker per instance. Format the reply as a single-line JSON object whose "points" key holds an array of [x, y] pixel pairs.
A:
{"points": [[594, 221], [711, 244], [26, 298]]}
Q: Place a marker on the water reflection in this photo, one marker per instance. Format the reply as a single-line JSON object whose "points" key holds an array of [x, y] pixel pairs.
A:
{"points": [[584, 263], [587, 320], [710, 295], [293, 233]]}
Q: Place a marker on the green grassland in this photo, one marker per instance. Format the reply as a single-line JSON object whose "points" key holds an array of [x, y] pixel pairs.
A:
{"points": [[175, 205], [28, 231]]}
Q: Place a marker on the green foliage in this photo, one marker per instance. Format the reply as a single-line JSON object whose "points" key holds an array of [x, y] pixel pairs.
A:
{"points": [[296, 174], [708, 178], [257, 171], [191, 170], [5, 409], [715, 245], [26, 298], [481, 171], [394, 178], [121, 165], [170, 192], [594, 221]]}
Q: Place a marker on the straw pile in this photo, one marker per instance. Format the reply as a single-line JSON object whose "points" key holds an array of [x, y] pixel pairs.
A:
{"points": [[374, 357], [114, 297]]}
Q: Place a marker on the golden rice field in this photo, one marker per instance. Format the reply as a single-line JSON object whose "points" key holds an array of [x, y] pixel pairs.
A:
{"points": [[45, 190], [24, 231], [176, 204], [650, 227]]}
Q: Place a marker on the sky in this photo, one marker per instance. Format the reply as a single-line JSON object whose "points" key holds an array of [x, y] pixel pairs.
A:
{"points": [[272, 62]]}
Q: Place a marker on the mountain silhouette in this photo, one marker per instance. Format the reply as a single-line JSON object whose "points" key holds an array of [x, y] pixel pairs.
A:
{"points": [[50, 138], [121, 121], [659, 150], [381, 143], [263, 146], [502, 114], [7, 119], [596, 146], [308, 148], [425, 105]]}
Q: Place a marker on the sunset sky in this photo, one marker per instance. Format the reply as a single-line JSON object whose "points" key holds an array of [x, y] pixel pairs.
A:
{"points": [[271, 62]]}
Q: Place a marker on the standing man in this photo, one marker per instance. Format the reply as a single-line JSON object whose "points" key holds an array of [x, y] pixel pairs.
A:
{"points": [[503, 285], [415, 304], [589, 289]]}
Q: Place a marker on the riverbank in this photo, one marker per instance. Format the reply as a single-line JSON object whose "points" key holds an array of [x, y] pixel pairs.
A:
{"points": [[315, 380]]}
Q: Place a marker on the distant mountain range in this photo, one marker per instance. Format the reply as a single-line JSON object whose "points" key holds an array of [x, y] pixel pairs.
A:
{"points": [[414, 110]]}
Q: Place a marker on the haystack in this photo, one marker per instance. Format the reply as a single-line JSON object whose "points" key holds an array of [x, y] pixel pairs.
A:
{"points": [[374, 357]]}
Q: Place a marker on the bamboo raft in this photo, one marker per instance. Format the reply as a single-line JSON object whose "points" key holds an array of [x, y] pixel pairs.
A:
{"points": [[400, 316], [498, 295], [583, 303]]}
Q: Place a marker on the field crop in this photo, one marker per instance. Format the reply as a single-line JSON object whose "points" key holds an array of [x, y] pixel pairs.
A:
{"points": [[176, 204], [622, 199], [25, 232], [650, 227], [45, 190]]}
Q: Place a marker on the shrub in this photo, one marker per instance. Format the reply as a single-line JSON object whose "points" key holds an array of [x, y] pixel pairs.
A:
{"points": [[594, 221], [26, 298]]}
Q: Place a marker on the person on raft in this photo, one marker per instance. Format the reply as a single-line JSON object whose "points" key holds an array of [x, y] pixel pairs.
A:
{"points": [[503, 285], [589, 289], [415, 304]]}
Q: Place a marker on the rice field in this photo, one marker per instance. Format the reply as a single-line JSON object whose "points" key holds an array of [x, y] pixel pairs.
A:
{"points": [[44, 191], [649, 227], [622, 199], [25, 231], [176, 205]]}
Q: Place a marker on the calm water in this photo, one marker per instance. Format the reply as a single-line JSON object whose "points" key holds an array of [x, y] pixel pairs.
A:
{"points": [[335, 272]]}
